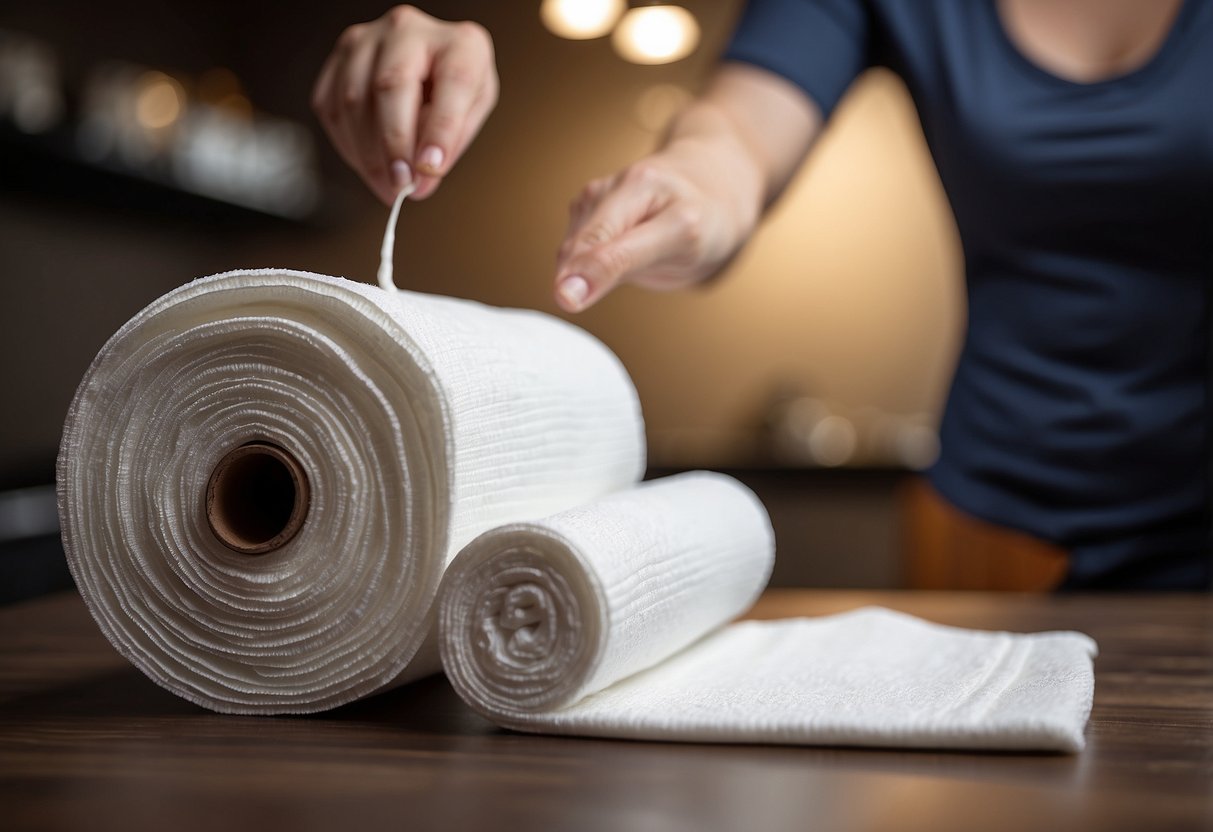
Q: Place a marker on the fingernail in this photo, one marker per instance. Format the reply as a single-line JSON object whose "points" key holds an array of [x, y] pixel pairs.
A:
{"points": [[574, 290], [430, 159], [402, 175]]}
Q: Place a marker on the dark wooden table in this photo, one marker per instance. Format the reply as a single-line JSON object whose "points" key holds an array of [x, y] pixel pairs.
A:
{"points": [[87, 742]]}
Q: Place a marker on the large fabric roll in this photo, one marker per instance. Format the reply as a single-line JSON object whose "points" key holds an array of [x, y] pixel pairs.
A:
{"points": [[609, 620], [264, 474]]}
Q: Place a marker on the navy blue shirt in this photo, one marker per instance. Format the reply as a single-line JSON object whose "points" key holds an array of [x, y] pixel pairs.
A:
{"points": [[1078, 408]]}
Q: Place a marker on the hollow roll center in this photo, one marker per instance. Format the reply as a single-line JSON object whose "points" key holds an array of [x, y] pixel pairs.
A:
{"points": [[257, 498]]}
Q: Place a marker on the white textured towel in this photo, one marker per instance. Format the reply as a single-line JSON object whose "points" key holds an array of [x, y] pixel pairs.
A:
{"points": [[420, 422], [607, 620]]}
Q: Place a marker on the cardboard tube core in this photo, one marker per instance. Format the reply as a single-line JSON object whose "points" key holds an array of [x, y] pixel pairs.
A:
{"points": [[257, 498]]}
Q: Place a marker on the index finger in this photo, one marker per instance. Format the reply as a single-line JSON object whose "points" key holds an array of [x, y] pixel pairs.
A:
{"points": [[400, 72], [590, 265], [460, 74]]}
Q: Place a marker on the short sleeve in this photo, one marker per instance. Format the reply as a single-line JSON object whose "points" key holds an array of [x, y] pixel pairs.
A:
{"points": [[818, 45]]}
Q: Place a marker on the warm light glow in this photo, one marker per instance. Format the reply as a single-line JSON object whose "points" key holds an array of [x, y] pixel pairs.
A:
{"points": [[656, 34], [580, 19], [220, 88], [833, 441], [159, 100], [917, 446]]}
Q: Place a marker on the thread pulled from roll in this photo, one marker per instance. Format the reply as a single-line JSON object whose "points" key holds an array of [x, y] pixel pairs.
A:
{"points": [[264, 474]]}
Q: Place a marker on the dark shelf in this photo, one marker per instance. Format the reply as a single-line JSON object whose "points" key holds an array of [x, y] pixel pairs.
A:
{"points": [[48, 166], [32, 567], [794, 472]]}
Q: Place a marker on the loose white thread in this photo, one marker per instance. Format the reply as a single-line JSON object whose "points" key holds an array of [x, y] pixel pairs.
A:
{"points": [[389, 241]]}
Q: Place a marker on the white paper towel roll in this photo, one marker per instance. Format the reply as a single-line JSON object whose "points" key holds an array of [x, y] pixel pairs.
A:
{"points": [[608, 620], [387, 430]]}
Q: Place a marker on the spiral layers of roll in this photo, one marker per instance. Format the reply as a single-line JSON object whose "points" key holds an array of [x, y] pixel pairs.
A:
{"points": [[420, 422], [537, 616]]}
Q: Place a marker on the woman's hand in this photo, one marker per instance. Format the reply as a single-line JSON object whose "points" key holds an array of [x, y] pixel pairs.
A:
{"points": [[401, 97], [666, 222], [676, 217]]}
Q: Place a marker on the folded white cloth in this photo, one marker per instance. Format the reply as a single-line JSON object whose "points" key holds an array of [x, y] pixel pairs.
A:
{"points": [[607, 620], [420, 421]]}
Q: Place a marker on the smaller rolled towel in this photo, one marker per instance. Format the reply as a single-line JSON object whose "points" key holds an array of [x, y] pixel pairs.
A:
{"points": [[608, 620]]}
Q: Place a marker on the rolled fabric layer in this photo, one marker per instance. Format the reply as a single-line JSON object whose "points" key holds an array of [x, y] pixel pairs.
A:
{"points": [[538, 615], [608, 620], [264, 473]]}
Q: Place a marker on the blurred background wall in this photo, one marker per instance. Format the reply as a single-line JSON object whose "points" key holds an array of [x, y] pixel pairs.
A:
{"points": [[847, 303]]}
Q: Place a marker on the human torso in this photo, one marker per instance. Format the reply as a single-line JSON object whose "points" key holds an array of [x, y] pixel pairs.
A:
{"points": [[1081, 176]]}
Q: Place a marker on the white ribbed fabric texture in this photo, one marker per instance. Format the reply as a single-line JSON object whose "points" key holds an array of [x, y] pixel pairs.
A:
{"points": [[421, 421], [608, 620]]}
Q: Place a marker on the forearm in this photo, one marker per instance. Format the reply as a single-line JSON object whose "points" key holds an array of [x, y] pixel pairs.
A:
{"points": [[758, 126], [676, 217]]}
